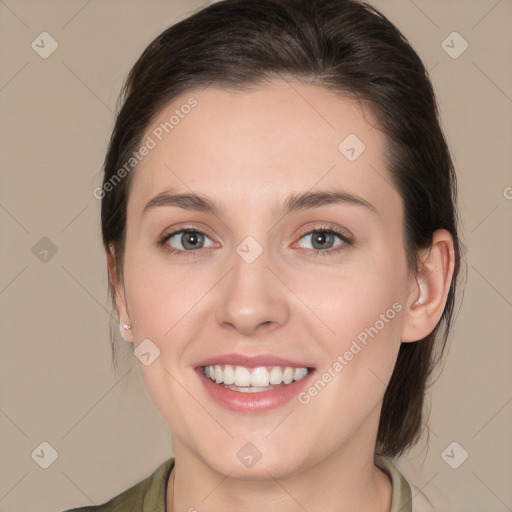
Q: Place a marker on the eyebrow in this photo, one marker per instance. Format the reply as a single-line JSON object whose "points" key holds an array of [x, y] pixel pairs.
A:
{"points": [[293, 203]]}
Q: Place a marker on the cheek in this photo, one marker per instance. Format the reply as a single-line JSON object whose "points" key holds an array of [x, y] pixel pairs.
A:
{"points": [[349, 301], [159, 295], [358, 328], [161, 304], [359, 321]]}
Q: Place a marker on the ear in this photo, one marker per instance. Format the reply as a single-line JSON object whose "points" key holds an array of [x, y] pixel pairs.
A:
{"points": [[119, 296], [427, 299]]}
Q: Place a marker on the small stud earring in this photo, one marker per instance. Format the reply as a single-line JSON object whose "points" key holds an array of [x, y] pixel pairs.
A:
{"points": [[122, 328]]}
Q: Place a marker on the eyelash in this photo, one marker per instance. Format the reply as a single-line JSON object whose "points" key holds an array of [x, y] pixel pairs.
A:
{"points": [[347, 241]]}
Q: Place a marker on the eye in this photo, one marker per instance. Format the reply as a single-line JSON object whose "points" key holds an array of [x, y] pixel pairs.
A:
{"points": [[324, 240], [185, 240]]}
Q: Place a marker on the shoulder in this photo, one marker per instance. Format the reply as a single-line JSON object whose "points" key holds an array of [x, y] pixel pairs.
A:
{"points": [[401, 499], [428, 494], [407, 496], [146, 495]]}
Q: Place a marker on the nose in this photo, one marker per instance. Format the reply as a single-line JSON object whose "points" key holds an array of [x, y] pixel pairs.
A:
{"points": [[252, 299]]}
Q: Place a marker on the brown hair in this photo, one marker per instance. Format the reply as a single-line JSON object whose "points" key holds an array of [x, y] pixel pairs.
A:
{"points": [[342, 45]]}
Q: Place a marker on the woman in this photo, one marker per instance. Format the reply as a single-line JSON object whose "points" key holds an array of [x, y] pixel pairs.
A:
{"points": [[279, 215]]}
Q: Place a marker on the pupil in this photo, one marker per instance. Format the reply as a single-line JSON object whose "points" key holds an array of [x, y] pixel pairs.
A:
{"points": [[321, 238], [191, 239]]}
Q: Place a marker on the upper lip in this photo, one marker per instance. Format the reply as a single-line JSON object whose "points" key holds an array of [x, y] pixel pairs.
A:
{"points": [[252, 361]]}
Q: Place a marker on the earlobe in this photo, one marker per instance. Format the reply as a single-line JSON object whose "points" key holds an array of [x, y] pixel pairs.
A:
{"points": [[119, 298], [431, 287], [122, 329]]}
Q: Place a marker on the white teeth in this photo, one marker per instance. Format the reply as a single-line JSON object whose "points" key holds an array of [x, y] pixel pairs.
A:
{"points": [[242, 376], [300, 373], [249, 389], [228, 376], [288, 375], [218, 374], [276, 375], [259, 379]]}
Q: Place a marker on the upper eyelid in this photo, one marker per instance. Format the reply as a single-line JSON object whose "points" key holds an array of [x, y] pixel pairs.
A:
{"points": [[336, 231], [185, 229]]}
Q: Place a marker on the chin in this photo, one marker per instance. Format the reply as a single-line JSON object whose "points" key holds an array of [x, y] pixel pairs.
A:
{"points": [[255, 461]]}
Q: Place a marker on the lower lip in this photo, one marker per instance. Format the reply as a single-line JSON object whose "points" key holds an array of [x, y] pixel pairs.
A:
{"points": [[253, 402]]}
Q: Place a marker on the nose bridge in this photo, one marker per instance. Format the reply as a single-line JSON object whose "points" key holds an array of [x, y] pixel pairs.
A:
{"points": [[249, 281], [252, 296]]}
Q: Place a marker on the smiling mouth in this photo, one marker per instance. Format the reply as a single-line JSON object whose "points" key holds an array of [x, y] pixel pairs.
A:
{"points": [[253, 380]]}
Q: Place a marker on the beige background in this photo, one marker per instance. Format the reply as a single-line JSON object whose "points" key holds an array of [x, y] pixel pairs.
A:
{"points": [[57, 384]]}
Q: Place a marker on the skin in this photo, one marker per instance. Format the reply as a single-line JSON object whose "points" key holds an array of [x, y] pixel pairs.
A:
{"points": [[247, 151]]}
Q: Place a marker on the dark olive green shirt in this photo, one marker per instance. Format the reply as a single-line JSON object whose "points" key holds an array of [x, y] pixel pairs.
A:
{"points": [[149, 494]]}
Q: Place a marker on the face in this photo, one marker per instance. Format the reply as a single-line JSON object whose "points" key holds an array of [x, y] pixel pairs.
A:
{"points": [[294, 258]]}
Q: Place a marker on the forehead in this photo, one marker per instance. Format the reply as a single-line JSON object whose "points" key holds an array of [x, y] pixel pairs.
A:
{"points": [[242, 145]]}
